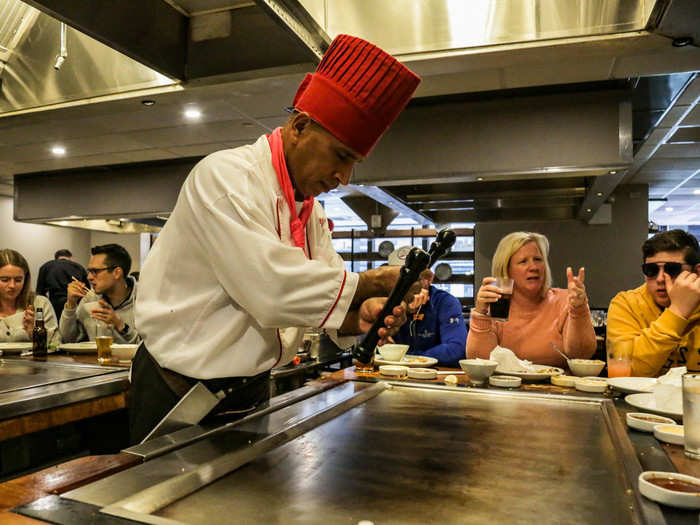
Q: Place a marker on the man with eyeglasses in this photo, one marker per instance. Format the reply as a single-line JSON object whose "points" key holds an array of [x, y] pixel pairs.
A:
{"points": [[110, 301], [662, 315]]}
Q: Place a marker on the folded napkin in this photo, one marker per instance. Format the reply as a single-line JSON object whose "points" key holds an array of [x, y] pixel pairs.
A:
{"points": [[507, 361], [668, 391]]}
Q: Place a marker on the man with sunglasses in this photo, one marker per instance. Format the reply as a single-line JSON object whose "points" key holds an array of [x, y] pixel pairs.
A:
{"points": [[662, 315], [110, 301]]}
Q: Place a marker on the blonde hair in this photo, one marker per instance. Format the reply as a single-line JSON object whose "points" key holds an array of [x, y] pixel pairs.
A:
{"points": [[510, 244], [14, 258]]}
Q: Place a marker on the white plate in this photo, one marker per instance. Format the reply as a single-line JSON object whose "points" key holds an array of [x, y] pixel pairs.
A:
{"points": [[686, 500], [648, 403], [638, 421], [632, 385], [15, 348], [393, 370], [534, 375], [85, 347], [669, 433], [419, 361]]}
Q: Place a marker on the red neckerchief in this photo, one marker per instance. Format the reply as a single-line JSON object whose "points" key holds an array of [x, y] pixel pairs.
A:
{"points": [[297, 223]]}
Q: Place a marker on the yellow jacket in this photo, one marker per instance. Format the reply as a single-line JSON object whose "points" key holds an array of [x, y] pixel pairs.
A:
{"points": [[662, 339]]}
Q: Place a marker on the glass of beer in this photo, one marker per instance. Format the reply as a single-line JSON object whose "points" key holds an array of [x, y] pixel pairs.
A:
{"points": [[619, 357], [104, 340], [500, 309]]}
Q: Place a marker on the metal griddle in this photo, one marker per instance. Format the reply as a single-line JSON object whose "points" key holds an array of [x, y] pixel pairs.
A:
{"points": [[396, 453]]}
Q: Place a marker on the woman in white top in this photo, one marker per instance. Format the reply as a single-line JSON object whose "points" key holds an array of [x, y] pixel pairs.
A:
{"points": [[18, 302]]}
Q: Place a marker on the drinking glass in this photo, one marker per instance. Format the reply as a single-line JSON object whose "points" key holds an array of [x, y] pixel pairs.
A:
{"points": [[691, 415], [500, 309], [619, 357], [104, 340]]}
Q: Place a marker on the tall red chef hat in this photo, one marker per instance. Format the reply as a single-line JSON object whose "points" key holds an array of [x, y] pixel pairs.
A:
{"points": [[357, 91]]}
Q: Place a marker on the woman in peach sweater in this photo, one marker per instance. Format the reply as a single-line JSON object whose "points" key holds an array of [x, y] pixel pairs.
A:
{"points": [[539, 315]]}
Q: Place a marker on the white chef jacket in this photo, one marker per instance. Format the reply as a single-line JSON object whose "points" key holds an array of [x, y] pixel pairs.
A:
{"points": [[224, 292]]}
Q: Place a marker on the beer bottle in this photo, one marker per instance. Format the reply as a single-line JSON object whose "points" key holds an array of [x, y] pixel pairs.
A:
{"points": [[39, 334]]}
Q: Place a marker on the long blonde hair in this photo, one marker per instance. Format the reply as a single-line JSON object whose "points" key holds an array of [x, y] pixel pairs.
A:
{"points": [[510, 244], [14, 258]]}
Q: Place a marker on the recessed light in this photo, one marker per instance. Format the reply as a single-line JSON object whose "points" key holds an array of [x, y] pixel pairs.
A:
{"points": [[599, 194], [247, 124], [193, 114], [588, 210], [669, 208], [682, 41], [58, 151], [612, 172], [696, 192], [480, 178], [148, 102]]}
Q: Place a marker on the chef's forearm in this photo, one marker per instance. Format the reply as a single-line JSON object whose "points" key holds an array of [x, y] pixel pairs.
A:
{"points": [[351, 324], [375, 283]]}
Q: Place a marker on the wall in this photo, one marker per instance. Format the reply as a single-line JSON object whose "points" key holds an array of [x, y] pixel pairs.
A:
{"points": [[610, 253], [38, 242], [130, 241]]}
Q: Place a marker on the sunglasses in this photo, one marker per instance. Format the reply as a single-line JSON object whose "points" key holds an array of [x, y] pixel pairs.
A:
{"points": [[673, 269]]}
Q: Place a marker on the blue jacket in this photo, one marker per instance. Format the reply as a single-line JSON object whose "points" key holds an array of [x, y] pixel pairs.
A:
{"points": [[441, 331]]}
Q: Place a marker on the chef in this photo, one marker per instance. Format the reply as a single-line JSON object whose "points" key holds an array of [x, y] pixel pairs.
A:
{"points": [[245, 262]]}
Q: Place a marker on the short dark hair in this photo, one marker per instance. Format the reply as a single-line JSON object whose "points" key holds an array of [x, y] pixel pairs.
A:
{"points": [[673, 241], [62, 253], [115, 255]]}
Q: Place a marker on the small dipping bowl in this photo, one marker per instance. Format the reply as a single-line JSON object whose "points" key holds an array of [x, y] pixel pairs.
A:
{"points": [[505, 381], [686, 498], [393, 370], [565, 381], [422, 373], [478, 370], [670, 433], [585, 384], [392, 352], [646, 422], [585, 367]]}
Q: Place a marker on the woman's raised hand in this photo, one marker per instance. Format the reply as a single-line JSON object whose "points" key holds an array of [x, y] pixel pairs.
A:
{"points": [[577, 291], [488, 293]]}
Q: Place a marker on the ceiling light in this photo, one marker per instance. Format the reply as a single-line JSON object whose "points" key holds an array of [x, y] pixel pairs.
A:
{"points": [[588, 210], [148, 102], [58, 151], [668, 208], [682, 41], [696, 192], [612, 172], [480, 178], [247, 124], [599, 194], [193, 113]]}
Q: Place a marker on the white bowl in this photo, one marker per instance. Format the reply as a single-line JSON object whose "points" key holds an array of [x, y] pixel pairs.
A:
{"points": [[585, 367], [670, 433], [392, 352], [646, 422], [124, 352], [686, 500], [505, 381], [478, 370], [566, 381], [422, 373], [393, 370], [587, 385]]}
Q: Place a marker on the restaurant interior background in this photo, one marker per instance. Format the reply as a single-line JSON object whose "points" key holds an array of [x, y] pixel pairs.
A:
{"points": [[575, 118]]}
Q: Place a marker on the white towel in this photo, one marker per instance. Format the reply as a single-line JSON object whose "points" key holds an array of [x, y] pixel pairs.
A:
{"points": [[507, 361], [668, 390]]}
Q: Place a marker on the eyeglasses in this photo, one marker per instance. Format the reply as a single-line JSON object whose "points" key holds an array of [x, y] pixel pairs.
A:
{"points": [[673, 269], [95, 271]]}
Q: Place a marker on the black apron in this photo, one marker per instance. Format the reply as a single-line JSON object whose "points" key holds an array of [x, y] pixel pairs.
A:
{"points": [[156, 390]]}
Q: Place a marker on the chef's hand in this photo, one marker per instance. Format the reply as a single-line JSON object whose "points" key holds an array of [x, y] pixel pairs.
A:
{"points": [[28, 320], [107, 315], [577, 291], [418, 300], [684, 293], [488, 293], [370, 310], [76, 291]]}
